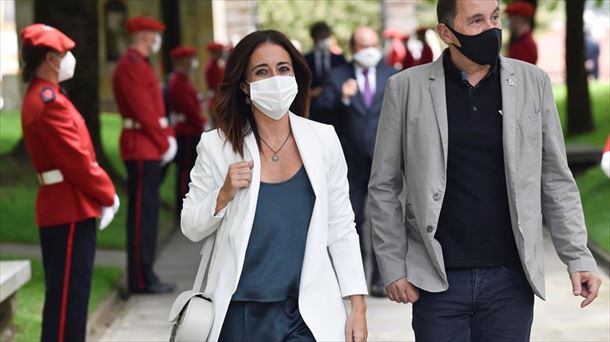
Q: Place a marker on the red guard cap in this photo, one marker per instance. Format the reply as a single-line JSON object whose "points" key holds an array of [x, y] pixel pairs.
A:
{"points": [[144, 23], [183, 51], [214, 46], [44, 35], [520, 8]]}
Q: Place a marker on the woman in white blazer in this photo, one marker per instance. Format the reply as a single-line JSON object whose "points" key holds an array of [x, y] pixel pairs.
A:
{"points": [[271, 188]]}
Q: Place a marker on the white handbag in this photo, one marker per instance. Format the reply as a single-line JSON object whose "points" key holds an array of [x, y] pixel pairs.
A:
{"points": [[192, 313]]}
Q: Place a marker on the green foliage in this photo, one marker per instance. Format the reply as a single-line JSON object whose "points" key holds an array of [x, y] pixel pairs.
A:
{"points": [[594, 189], [294, 17], [30, 298], [600, 105]]}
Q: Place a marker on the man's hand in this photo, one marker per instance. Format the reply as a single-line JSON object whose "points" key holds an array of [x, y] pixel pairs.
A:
{"points": [[349, 89], [401, 291], [585, 284]]}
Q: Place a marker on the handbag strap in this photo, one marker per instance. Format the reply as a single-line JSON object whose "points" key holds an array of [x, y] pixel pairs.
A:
{"points": [[206, 255]]}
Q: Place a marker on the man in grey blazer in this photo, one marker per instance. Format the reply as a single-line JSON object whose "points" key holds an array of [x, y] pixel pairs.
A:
{"points": [[469, 164]]}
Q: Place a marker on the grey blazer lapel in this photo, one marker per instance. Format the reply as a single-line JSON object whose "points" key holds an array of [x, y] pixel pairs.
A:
{"points": [[510, 85], [439, 101]]}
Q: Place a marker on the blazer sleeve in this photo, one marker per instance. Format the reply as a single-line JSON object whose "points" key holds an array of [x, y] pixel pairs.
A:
{"points": [[561, 206], [385, 186], [343, 241], [197, 217]]}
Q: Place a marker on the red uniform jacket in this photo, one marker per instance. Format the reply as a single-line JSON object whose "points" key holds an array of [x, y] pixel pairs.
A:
{"points": [[56, 138], [524, 48], [213, 75], [183, 100], [138, 95], [426, 57]]}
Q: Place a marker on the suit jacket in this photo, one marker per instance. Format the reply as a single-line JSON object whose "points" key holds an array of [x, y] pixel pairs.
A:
{"points": [[355, 123], [332, 267], [411, 154], [335, 61], [57, 138]]}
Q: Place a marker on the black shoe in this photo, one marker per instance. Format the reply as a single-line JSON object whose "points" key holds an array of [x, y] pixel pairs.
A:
{"points": [[377, 290], [156, 288]]}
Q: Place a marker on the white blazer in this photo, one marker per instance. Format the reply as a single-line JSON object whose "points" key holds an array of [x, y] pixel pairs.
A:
{"points": [[332, 266]]}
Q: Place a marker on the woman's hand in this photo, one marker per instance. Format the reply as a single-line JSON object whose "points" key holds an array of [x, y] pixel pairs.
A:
{"points": [[355, 327], [238, 177]]}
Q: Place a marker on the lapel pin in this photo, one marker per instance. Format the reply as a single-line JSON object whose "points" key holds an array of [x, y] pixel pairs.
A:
{"points": [[510, 82], [500, 111]]}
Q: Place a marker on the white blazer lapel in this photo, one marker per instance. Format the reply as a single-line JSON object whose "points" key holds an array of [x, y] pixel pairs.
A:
{"points": [[246, 200], [311, 154]]}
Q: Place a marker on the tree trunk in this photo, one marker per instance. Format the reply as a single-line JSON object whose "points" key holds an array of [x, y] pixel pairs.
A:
{"points": [[580, 119], [171, 36], [79, 20]]}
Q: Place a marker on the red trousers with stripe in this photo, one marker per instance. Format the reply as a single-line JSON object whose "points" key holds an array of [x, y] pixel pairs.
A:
{"points": [[68, 252], [143, 180]]}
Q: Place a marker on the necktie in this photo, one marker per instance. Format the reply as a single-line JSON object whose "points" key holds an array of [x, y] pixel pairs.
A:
{"points": [[368, 93]]}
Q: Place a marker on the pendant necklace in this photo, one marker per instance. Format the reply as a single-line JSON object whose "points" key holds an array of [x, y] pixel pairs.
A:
{"points": [[275, 158]]}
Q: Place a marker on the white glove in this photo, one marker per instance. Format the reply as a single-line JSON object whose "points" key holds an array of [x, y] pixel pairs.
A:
{"points": [[606, 163], [169, 155], [109, 212]]}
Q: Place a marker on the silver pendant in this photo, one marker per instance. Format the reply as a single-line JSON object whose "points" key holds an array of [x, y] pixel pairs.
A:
{"points": [[275, 158]]}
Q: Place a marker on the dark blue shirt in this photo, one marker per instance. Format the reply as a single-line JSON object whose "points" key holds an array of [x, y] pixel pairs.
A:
{"points": [[272, 267], [474, 226]]}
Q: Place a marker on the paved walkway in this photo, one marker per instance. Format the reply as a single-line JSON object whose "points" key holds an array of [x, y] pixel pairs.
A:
{"points": [[144, 317]]}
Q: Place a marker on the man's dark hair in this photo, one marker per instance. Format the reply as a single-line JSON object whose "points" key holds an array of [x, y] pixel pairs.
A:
{"points": [[445, 11], [320, 27]]}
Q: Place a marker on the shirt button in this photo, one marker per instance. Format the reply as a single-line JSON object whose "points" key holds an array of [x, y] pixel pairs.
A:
{"points": [[474, 108], [429, 229], [436, 196]]}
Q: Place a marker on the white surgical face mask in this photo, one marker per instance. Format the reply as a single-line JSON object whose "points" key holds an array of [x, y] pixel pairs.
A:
{"points": [[368, 57], [66, 67], [156, 43], [323, 45], [194, 64], [274, 95]]}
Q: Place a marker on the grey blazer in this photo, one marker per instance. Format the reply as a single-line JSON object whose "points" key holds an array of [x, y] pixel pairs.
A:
{"points": [[411, 154]]}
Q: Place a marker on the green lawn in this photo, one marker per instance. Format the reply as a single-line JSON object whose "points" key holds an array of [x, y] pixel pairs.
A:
{"points": [[594, 189], [30, 298], [600, 105], [18, 189]]}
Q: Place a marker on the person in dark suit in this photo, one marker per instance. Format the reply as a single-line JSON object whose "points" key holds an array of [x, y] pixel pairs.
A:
{"points": [[353, 93], [320, 61]]}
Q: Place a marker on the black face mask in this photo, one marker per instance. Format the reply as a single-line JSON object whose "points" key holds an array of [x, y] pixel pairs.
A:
{"points": [[482, 48]]}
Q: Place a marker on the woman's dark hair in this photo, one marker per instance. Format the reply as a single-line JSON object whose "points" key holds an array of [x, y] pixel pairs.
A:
{"points": [[234, 115], [33, 57]]}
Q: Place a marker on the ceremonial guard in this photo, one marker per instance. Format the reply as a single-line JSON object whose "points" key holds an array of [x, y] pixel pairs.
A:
{"points": [[74, 190], [521, 45], [147, 143], [186, 117], [214, 71]]}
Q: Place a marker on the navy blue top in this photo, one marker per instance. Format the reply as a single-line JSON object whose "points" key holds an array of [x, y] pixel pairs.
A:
{"points": [[272, 268], [474, 226]]}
